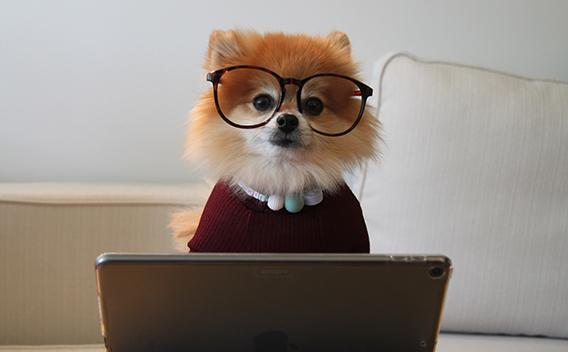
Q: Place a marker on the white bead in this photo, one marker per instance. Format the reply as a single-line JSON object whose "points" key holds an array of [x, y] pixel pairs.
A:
{"points": [[275, 202], [313, 197]]}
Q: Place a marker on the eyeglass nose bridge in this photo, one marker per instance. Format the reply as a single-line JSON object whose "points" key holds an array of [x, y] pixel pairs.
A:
{"points": [[290, 80], [293, 81]]}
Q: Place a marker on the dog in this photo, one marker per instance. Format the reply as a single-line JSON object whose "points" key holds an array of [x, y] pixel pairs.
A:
{"points": [[285, 120]]}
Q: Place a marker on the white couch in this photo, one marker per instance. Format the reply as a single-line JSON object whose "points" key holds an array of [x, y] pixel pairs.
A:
{"points": [[474, 166]]}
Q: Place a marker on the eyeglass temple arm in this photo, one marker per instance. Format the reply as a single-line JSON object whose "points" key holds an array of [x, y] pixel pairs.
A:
{"points": [[214, 76], [364, 91]]}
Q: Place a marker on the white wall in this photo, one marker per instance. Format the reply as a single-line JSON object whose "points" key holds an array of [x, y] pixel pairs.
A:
{"points": [[99, 90]]}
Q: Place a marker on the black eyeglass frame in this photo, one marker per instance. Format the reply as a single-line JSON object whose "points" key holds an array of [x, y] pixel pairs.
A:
{"points": [[364, 92]]}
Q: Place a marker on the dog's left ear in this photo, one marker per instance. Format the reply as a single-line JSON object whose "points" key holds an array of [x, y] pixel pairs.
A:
{"points": [[223, 47], [340, 40]]}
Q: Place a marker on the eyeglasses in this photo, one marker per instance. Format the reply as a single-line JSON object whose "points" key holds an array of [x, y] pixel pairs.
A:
{"points": [[250, 96]]}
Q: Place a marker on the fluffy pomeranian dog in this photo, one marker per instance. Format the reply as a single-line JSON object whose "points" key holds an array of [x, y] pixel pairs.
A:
{"points": [[285, 120]]}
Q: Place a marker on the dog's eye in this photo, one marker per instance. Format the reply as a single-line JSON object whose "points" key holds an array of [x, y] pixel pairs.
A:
{"points": [[263, 102], [313, 106]]}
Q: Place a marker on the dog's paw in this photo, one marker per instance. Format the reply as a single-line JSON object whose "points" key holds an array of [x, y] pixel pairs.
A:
{"points": [[183, 225]]}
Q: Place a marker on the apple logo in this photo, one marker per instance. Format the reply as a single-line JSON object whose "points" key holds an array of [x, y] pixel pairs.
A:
{"points": [[273, 341]]}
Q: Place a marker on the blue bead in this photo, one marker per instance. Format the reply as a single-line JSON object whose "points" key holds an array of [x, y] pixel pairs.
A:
{"points": [[294, 203]]}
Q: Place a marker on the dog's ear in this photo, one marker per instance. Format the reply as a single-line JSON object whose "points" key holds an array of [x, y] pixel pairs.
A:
{"points": [[223, 46], [340, 40]]}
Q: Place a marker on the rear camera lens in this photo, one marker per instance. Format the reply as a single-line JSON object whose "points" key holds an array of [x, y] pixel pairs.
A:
{"points": [[436, 272]]}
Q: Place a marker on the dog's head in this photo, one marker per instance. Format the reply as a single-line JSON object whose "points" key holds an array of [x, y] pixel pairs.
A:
{"points": [[296, 143]]}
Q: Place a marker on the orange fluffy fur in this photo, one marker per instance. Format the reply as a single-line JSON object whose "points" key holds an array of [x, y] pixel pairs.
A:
{"points": [[235, 155]]}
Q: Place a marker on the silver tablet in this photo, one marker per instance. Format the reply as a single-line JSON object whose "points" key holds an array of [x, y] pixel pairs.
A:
{"points": [[271, 302]]}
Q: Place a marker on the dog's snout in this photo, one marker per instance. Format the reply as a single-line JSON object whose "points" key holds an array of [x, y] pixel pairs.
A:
{"points": [[287, 122]]}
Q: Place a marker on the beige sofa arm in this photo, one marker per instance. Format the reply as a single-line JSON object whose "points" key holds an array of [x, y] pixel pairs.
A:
{"points": [[50, 235]]}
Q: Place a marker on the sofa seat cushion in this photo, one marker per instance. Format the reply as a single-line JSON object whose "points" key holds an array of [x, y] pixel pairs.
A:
{"points": [[447, 343], [66, 348], [484, 343]]}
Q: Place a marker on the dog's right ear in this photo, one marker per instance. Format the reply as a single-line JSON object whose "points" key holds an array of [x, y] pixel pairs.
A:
{"points": [[224, 46]]}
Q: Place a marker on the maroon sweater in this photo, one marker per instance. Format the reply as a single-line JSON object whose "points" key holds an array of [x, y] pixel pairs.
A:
{"points": [[235, 223]]}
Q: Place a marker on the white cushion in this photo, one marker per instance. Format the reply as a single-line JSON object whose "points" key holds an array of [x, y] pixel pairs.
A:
{"points": [[475, 166]]}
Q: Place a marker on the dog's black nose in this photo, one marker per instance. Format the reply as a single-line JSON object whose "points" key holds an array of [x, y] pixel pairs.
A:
{"points": [[287, 122]]}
